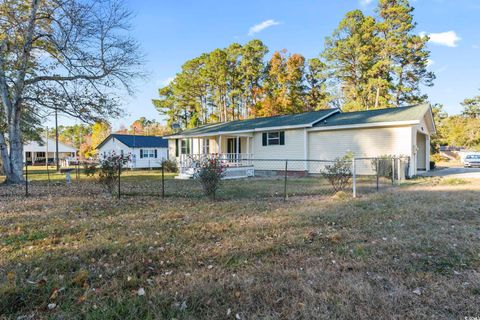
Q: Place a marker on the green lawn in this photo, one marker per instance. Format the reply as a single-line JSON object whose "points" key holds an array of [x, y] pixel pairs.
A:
{"points": [[78, 253]]}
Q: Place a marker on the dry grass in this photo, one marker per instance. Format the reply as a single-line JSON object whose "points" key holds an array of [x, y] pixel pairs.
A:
{"points": [[409, 252]]}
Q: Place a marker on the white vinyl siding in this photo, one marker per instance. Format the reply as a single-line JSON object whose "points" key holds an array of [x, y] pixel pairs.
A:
{"points": [[292, 149], [114, 145], [370, 142]]}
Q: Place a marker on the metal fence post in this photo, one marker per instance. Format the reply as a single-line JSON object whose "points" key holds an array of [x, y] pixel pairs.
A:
{"points": [[285, 185], [378, 172], [393, 171], [354, 174], [163, 182], [48, 172], [26, 179], [398, 169], [119, 173]]}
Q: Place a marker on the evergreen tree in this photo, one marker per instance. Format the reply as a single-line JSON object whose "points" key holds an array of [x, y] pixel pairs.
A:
{"points": [[317, 96], [471, 107], [351, 53], [404, 51]]}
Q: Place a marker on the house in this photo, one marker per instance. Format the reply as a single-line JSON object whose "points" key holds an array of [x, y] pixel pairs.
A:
{"points": [[36, 152], [318, 135], [144, 151]]}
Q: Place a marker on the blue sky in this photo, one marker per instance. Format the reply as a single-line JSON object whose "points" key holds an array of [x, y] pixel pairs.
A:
{"points": [[171, 32]]}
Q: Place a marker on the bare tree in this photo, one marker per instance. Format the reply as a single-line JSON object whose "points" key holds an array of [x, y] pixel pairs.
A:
{"points": [[74, 56]]}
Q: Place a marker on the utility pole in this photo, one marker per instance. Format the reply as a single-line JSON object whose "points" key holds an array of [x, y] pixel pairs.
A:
{"points": [[57, 162], [46, 147]]}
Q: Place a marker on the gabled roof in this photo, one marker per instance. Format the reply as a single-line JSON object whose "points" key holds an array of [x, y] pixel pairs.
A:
{"points": [[135, 141], [41, 146], [401, 114], [299, 120]]}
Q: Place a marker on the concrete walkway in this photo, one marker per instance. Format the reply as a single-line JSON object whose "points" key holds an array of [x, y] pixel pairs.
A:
{"points": [[454, 172]]}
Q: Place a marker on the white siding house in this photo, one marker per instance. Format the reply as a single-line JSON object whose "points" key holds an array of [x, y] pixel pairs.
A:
{"points": [[143, 151], [36, 153], [321, 135]]}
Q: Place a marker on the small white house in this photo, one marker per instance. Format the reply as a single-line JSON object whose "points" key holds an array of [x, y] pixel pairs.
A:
{"points": [[36, 153], [318, 135], [144, 151]]}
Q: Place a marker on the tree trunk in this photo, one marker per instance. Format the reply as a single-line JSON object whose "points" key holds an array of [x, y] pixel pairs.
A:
{"points": [[14, 169]]}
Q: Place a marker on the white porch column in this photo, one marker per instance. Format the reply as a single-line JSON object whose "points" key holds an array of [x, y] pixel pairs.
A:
{"points": [[219, 144], [237, 150], [427, 153]]}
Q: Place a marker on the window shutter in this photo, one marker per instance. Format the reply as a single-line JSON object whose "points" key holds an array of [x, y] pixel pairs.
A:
{"points": [[176, 148], [156, 156], [282, 138], [264, 139], [141, 153]]}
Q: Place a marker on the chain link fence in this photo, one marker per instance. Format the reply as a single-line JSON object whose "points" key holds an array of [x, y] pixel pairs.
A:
{"points": [[245, 179]]}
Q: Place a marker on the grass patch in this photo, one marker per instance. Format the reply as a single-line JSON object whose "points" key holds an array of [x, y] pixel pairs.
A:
{"points": [[453, 181], [250, 253]]}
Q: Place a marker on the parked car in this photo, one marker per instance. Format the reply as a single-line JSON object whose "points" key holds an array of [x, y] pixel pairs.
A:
{"points": [[472, 160]]}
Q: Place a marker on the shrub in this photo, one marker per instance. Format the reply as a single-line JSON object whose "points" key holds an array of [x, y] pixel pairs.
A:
{"points": [[437, 157], [210, 175], [108, 170], [170, 166], [89, 168], [339, 173], [384, 164]]}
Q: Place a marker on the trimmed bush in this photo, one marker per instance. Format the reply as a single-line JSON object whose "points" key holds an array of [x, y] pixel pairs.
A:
{"points": [[210, 176]]}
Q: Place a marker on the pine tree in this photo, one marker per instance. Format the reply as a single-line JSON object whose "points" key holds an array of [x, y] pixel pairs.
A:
{"points": [[317, 97], [351, 54], [404, 51]]}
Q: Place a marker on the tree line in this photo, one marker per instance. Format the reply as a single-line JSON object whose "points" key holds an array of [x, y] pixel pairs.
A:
{"points": [[458, 130], [368, 62]]}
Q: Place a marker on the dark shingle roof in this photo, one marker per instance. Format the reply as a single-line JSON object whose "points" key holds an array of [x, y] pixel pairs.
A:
{"points": [[134, 141], [300, 119], [374, 116]]}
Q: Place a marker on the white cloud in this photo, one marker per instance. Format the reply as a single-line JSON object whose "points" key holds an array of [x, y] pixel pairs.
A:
{"points": [[262, 26], [365, 2], [166, 82], [448, 38], [475, 46]]}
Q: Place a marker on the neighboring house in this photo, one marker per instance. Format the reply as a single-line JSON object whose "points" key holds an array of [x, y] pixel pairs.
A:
{"points": [[319, 135], [144, 151], [36, 153]]}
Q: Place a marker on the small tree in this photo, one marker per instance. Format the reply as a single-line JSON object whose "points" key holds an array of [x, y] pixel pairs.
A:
{"points": [[339, 173], [383, 166], [108, 172], [210, 175], [170, 166]]}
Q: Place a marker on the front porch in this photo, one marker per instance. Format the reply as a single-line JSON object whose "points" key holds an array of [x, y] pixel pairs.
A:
{"points": [[233, 151], [237, 165]]}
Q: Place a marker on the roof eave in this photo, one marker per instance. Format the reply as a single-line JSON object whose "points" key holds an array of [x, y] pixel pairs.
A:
{"points": [[365, 125], [307, 125]]}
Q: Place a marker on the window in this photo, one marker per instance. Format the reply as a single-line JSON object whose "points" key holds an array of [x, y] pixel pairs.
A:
{"points": [[185, 146], [206, 146], [40, 154], [273, 138], [147, 153]]}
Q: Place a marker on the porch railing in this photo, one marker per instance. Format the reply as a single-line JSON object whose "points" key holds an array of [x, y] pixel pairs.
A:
{"points": [[189, 161]]}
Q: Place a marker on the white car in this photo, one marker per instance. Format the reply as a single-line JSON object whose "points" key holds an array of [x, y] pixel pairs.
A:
{"points": [[472, 160]]}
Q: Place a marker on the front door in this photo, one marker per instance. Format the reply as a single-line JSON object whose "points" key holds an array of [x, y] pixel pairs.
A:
{"points": [[421, 152], [232, 148]]}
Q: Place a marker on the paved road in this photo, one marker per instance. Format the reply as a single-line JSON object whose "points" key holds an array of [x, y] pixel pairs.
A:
{"points": [[455, 172]]}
